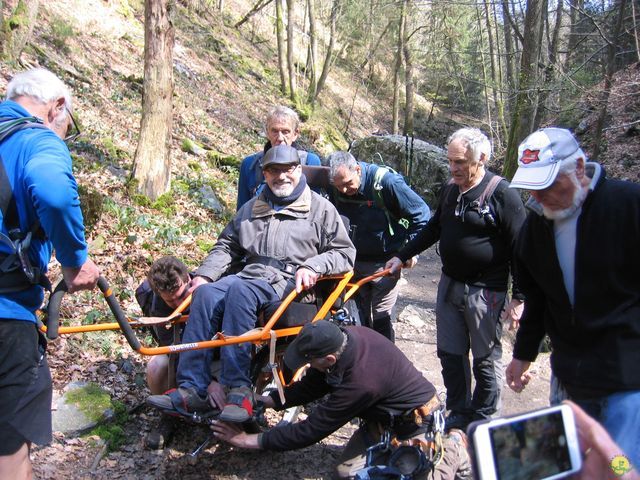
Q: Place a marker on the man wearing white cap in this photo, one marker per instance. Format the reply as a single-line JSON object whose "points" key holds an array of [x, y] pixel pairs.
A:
{"points": [[577, 262]]}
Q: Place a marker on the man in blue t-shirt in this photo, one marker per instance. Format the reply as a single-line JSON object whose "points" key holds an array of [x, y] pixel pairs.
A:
{"points": [[40, 211], [282, 127]]}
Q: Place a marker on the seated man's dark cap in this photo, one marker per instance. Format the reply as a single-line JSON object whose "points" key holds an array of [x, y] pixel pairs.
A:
{"points": [[315, 340], [280, 155]]}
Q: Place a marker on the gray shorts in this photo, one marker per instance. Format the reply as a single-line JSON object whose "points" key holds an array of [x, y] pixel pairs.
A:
{"points": [[468, 317]]}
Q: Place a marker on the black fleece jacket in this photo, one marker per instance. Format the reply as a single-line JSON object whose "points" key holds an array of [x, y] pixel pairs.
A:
{"points": [[473, 250], [371, 380], [596, 343]]}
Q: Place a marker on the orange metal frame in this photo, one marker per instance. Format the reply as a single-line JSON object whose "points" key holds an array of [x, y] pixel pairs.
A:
{"points": [[256, 336]]}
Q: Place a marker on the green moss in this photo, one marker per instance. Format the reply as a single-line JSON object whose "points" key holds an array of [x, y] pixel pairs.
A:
{"points": [[113, 433], [205, 245], [92, 205], [165, 203], [217, 159], [91, 400]]}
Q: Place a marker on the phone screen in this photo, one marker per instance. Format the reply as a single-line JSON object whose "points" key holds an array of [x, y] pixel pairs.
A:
{"points": [[534, 447]]}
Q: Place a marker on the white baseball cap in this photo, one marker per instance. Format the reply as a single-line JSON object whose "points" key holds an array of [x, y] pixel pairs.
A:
{"points": [[540, 157]]}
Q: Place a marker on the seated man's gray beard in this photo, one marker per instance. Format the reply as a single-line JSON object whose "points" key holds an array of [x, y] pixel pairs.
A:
{"points": [[283, 191], [579, 195]]}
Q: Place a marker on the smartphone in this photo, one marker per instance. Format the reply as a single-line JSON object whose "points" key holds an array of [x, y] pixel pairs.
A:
{"points": [[537, 445]]}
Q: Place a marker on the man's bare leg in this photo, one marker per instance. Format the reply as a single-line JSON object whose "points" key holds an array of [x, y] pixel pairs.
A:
{"points": [[16, 466]]}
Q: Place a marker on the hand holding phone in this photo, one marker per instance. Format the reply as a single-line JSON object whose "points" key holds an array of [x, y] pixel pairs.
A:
{"points": [[537, 445]]}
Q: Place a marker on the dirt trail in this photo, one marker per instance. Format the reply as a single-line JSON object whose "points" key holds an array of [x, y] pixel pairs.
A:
{"points": [[83, 458]]}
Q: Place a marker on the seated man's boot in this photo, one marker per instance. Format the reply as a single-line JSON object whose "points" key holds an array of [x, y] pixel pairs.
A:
{"points": [[182, 401], [239, 407]]}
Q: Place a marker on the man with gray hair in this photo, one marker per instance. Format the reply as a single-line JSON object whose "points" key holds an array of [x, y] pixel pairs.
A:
{"points": [[577, 261], [477, 223], [282, 127], [383, 213], [40, 212]]}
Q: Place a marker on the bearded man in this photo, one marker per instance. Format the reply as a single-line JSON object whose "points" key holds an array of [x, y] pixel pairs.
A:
{"points": [[287, 237], [577, 262]]}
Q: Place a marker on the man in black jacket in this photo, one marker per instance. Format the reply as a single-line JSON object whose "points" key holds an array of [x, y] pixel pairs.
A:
{"points": [[577, 262], [341, 363], [477, 226]]}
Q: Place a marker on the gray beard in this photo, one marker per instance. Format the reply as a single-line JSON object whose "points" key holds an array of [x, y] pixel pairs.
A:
{"points": [[579, 195], [283, 191]]}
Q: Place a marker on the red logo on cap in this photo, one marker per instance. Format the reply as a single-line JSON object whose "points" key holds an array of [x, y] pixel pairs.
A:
{"points": [[530, 156]]}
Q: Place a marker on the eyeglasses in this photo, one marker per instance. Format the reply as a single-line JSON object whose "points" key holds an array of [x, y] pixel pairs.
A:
{"points": [[74, 129], [280, 169]]}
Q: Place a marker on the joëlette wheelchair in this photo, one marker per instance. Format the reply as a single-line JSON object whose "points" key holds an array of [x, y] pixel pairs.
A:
{"points": [[277, 326]]}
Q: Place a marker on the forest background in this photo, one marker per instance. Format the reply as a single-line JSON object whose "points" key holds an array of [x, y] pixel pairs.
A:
{"points": [[171, 95]]}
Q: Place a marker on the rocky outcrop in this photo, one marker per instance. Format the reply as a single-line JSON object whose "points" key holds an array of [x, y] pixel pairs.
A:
{"points": [[426, 170]]}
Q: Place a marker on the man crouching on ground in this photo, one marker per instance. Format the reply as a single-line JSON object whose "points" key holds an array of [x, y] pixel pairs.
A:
{"points": [[341, 363]]}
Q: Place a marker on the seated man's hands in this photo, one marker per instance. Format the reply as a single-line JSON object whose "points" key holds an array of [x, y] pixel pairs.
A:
{"points": [[196, 282], [305, 279], [216, 395]]}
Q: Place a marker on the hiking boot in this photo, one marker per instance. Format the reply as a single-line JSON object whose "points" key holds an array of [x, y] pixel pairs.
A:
{"points": [[182, 401], [160, 436], [457, 420], [239, 407]]}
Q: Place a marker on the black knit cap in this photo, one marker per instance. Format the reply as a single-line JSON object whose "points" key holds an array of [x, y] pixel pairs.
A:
{"points": [[315, 340], [281, 155]]}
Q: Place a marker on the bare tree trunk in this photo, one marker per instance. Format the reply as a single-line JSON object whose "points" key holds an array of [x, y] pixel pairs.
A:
{"points": [[313, 51], [328, 58], [290, 48], [282, 67], [509, 57], [636, 30], [260, 4], [492, 53], [16, 30], [396, 70], [220, 5], [550, 68], [485, 80], [500, 81], [407, 129], [374, 48], [152, 162], [522, 117], [608, 79]]}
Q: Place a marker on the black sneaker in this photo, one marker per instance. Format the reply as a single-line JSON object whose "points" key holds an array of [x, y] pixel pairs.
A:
{"points": [[182, 401], [458, 421], [239, 407], [160, 436]]}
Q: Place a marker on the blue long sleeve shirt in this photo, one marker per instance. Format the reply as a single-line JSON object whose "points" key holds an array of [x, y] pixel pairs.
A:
{"points": [[38, 165]]}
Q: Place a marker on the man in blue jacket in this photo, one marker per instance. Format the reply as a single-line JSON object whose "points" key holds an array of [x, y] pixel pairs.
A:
{"points": [[577, 262], [40, 212], [282, 128], [384, 213]]}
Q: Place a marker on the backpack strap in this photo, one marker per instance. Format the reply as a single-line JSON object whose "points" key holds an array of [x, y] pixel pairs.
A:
{"points": [[491, 186], [16, 271]]}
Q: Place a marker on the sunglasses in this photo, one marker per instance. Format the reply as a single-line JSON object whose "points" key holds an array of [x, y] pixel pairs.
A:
{"points": [[74, 129]]}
